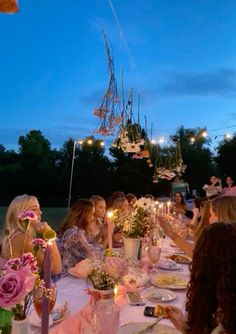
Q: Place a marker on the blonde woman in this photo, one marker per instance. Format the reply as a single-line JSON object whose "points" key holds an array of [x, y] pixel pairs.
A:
{"points": [[98, 228], [18, 240]]}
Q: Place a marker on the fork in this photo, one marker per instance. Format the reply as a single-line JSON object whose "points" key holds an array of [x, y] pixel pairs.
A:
{"points": [[148, 327]]}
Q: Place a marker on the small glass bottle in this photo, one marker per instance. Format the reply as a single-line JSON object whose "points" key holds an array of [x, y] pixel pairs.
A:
{"points": [[105, 314]]}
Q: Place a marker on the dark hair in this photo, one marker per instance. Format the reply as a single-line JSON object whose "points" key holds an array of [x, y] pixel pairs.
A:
{"points": [[182, 196], [212, 285], [78, 215]]}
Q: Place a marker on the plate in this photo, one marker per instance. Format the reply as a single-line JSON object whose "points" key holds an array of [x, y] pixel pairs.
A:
{"points": [[59, 313], [168, 264], [170, 281], [134, 327], [158, 295], [180, 258]]}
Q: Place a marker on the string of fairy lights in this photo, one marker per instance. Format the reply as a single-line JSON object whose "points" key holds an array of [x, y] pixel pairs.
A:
{"points": [[164, 140]]}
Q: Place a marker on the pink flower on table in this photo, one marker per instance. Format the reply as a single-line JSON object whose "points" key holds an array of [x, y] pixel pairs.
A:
{"points": [[15, 285], [115, 267]]}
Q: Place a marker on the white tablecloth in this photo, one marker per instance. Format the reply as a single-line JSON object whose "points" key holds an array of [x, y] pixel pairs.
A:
{"points": [[71, 289]]}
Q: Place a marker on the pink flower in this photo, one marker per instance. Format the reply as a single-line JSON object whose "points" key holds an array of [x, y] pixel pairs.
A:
{"points": [[27, 259], [115, 267], [30, 215], [38, 242], [15, 285]]}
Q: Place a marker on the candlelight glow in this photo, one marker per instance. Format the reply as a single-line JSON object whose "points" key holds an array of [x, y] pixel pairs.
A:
{"points": [[116, 290], [110, 214]]}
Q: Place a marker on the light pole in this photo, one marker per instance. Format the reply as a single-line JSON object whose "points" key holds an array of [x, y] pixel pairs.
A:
{"points": [[71, 173]]}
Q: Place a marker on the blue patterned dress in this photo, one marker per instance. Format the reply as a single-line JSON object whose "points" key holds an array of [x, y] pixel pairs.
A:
{"points": [[74, 246]]}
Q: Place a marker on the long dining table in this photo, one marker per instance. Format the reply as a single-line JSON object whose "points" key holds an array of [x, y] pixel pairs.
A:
{"points": [[72, 290]]}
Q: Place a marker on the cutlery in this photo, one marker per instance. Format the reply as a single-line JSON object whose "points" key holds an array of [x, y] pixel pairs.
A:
{"points": [[148, 327]]}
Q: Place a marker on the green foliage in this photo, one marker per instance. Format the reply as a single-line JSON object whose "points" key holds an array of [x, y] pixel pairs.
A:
{"points": [[226, 157]]}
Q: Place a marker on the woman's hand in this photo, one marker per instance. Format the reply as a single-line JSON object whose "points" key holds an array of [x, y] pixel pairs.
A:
{"points": [[41, 227], [166, 226], [175, 315]]}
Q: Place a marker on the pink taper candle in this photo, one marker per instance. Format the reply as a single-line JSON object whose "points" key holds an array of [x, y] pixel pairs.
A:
{"points": [[47, 280], [109, 229]]}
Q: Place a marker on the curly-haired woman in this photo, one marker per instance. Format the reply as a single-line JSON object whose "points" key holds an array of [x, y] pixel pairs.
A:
{"points": [[211, 295]]}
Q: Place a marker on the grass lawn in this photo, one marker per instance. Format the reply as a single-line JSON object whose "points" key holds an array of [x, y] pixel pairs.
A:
{"points": [[53, 216]]}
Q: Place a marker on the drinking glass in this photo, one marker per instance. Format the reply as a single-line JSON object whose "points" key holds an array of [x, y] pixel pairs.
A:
{"points": [[40, 293], [154, 247]]}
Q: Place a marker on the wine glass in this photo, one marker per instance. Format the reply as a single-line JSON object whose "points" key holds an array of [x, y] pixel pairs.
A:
{"points": [[40, 293], [154, 248]]}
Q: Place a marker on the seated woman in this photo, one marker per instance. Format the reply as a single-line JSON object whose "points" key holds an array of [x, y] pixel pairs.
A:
{"points": [[178, 204], [98, 228], [211, 295], [122, 205], [18, 240], [74, 243]]}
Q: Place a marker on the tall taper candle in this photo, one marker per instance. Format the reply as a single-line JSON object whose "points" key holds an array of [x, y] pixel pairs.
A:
{"points": [[47, 282], [109, 228]]}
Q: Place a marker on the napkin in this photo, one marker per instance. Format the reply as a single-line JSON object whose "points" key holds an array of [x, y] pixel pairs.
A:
{"points": [[79, 323]]}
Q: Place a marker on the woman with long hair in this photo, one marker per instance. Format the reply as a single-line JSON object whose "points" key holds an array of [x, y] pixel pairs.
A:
{"points": [[98, 227], [17, 239], [74, 242], [211, 295]]}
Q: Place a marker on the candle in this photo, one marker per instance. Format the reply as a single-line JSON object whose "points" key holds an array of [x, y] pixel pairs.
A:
{"points": [[109, 229], [47, 283], [168, 207]]}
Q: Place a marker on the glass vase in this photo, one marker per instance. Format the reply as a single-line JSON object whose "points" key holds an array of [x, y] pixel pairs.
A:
{"points": [[20, 326], [105, 314]]}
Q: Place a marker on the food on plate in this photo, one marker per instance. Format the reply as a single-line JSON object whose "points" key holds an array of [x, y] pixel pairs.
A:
{"points": [[166, 280], [179, 258], [160, 311]]}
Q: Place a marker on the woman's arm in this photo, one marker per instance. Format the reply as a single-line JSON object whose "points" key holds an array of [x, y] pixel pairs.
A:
{"points": [[186, 246]]}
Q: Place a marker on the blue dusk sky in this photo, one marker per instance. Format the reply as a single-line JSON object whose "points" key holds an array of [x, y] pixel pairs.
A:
{"points": [[179, 55]]}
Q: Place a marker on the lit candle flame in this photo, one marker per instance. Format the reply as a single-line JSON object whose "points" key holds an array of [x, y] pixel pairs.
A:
{"points": [[110, 214]]}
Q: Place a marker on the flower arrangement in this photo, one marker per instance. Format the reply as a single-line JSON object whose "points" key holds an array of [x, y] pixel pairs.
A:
{"points": [[136, 223], [102, 273], [17, 281]]}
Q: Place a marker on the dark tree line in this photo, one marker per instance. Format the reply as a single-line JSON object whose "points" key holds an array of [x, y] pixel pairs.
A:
{"points": [[38, 169]]}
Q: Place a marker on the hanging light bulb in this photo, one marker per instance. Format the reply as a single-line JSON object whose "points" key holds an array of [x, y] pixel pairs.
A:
{"points": [[227, 136], [204, 134], [89, 141], [192, 140]]}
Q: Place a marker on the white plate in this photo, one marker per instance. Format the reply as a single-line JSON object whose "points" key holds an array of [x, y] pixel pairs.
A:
{"points": [[156, 295], [168, 264], [133, 327], [170, 281]]}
